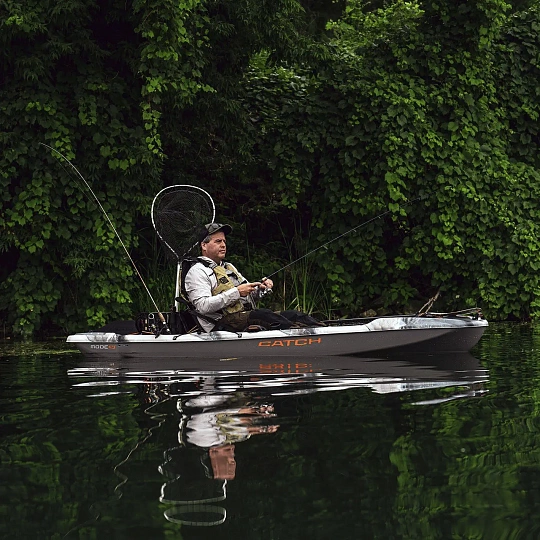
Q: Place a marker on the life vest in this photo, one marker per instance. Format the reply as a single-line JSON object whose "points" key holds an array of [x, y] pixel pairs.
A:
{"points": [[224, 275]]}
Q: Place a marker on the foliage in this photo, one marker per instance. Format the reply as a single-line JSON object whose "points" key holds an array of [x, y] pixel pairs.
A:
{"points": [[302, 283], [430, 101], [108, 84], [288, 119], [69, 72]]}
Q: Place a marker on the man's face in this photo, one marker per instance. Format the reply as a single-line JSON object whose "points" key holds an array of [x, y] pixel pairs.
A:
{"points": [[216, 249], [223, 462]]}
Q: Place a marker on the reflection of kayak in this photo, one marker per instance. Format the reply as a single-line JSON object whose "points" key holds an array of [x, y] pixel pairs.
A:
{"points": [[168, 371], [213, 383], [276, 377], [427, 334]]}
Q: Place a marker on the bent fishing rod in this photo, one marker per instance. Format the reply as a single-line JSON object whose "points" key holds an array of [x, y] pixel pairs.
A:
{"points": [[160, 314], [375, 218]]}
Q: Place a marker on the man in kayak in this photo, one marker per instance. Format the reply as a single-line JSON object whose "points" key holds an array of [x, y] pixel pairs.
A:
{"points": [[222, 297]]}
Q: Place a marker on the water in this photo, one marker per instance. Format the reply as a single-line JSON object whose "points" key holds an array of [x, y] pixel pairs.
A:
{"points": [[444, 447]]}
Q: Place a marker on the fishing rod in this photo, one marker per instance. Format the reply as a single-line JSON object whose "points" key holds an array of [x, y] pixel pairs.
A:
{"points": [[160, 314], [406, 203]]}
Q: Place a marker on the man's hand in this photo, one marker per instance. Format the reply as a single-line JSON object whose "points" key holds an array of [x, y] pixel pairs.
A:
{"points": [[266, 283], [247, 288]]}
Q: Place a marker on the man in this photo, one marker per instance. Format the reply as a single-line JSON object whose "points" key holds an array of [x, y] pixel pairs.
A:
{"points": [[223, 297]]}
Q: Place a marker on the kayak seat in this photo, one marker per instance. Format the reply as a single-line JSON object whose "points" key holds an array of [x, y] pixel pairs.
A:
{"points": [[191, 317], [186, 322]]}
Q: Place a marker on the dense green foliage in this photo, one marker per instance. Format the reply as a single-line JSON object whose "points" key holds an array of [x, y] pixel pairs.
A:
{"points": [[110, 86], [299, 117], [68, 81], [442, 106]]}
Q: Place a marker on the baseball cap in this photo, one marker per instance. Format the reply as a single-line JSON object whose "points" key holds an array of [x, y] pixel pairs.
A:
{"points": [[212, 228]]}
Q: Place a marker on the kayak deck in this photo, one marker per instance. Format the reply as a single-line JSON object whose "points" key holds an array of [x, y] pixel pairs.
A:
{"points": [[379, 335]]}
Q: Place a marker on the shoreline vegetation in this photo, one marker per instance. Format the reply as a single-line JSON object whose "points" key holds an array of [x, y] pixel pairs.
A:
{"points": [[301, 120]]}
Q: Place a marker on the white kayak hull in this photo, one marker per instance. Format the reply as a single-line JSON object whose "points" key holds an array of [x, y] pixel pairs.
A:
{"points": [[385, 335]]}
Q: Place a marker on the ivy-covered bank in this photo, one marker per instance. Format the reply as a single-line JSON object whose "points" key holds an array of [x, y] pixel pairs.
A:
{"points": [[440, 100], [303, 119], [138, 95]]}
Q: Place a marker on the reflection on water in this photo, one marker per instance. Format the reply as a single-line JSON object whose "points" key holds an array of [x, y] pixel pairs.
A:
{"points": [[430, 448], [219, 409], [281, 378], [210, 427], [198, 469]]}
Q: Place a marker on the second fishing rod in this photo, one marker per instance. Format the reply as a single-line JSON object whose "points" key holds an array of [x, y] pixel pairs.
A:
{"points": [[356, 228]]}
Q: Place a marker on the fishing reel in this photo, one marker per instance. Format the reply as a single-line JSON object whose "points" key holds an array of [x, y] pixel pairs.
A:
{"points": [[151, 323], [263, 292]]}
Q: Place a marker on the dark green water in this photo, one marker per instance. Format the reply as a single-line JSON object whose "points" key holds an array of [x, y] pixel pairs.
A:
{"points": [[418, 448]]}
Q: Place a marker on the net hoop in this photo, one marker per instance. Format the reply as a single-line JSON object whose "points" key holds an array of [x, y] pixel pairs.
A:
{"points": [[183, 513], [203, 195]]}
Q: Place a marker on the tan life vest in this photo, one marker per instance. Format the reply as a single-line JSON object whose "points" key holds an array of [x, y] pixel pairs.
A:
{"points": [[225, 283]]}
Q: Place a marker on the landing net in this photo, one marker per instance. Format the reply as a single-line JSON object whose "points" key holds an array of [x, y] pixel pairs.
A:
{"points": [[178, 215]]}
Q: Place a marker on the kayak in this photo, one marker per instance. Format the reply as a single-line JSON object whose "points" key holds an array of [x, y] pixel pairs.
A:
{"points": [[430, 333]]}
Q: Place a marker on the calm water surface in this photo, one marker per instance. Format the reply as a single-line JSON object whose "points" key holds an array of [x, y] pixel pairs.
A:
{"points": [[420, 448]]}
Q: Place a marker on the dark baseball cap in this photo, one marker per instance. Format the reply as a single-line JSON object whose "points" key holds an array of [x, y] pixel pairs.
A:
{"points": [[212, 228]]}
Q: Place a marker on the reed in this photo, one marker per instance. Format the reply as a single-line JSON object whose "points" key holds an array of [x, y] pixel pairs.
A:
{"points": [[302, 285], [304, 291]]}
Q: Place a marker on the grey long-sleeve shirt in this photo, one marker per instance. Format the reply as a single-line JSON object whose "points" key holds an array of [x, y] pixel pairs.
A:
{"points": [[199, 283]]}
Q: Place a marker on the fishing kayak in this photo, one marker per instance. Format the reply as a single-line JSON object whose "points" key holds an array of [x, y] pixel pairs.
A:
{"points": [[431, 333]]}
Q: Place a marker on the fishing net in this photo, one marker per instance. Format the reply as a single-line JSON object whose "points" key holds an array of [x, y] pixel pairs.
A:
{"points": [[178, 215]]}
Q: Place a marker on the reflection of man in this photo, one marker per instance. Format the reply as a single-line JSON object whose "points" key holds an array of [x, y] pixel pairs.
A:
{"points": [[215, 427], [223, 462], [218, 429]]}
